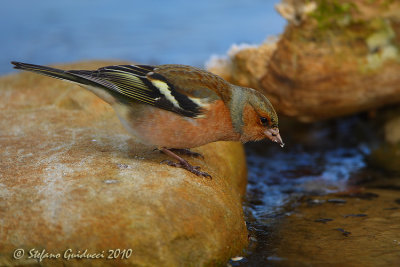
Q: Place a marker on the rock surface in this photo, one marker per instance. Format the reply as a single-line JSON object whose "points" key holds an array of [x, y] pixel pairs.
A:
{"points": [[335, 58], [386, 155], [72, 178], [392, 130]]}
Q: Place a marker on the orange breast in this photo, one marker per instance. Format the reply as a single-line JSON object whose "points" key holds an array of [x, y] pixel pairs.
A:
{"points": [[162, 128]]}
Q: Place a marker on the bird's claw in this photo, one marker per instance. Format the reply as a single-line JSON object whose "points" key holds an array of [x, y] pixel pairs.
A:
{"points": [[188, 167], [170, 163]]}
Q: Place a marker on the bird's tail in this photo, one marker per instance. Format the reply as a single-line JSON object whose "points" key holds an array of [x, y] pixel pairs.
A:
{"points": [[54, 73]]}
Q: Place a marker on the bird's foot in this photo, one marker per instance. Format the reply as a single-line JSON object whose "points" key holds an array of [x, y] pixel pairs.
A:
{"points": [[182, 163], [187, 166], [187, 152]]}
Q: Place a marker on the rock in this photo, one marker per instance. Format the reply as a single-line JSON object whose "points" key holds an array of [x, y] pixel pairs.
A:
{"points": [[385, 154], [392, 130], [335, 58], [72, 178], [386, 157], [244, 64]]}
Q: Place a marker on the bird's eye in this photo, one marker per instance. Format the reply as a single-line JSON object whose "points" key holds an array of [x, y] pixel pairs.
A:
{"points": [[264, 121]]}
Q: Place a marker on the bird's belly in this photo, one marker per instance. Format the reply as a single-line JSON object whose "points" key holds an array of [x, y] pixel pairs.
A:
{"points": [[161, 128], [175, 132]]}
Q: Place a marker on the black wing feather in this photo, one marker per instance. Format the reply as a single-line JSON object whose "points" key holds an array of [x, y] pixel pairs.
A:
{"points": [[135, 81], [127, 83]]}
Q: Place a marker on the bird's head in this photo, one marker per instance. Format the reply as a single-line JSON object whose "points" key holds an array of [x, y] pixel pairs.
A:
{"points": [[259, 119]]}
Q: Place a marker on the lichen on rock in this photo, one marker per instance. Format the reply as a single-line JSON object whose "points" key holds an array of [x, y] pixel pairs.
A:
{"points": [[340, 58]]}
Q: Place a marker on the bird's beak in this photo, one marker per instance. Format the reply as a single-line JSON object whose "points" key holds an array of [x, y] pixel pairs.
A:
{"points": [[274, 136]]}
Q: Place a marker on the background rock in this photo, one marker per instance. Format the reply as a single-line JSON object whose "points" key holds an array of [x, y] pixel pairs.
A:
{"points": [[71, 177], [335, 58], [392, 130]]}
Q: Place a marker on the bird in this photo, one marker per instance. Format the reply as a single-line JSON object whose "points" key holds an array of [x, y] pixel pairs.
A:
{"points": [[176, 107]]}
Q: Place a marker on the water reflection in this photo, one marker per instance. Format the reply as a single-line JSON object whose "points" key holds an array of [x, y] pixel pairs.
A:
{"points": [[319, 159]]}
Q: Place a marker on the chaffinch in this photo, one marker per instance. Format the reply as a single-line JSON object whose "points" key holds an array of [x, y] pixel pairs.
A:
{"points": [[176, 106]]}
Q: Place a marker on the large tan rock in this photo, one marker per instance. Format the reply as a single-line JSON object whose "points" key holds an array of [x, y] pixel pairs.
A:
{"points": [[72, 178], [334, 58]]}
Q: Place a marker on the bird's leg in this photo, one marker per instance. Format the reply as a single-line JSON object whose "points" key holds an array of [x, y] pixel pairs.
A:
{"points": [[182, 163], [187, 152]]}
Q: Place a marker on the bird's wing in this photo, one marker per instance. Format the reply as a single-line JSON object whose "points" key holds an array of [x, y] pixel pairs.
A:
{"points": [[184, 90], [195, 82]]}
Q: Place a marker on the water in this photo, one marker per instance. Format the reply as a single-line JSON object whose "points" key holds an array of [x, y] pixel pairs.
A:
{"points": [[319, 161], [321, 164], [149, 32]]}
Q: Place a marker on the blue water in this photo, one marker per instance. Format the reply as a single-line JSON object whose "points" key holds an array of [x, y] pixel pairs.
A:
{"points": [[149, 32], [318, 159]]}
